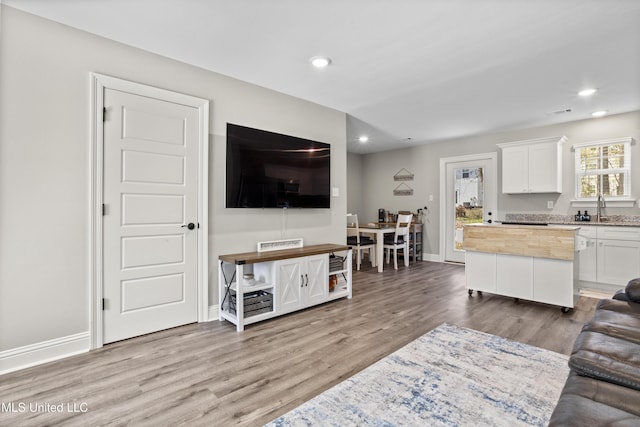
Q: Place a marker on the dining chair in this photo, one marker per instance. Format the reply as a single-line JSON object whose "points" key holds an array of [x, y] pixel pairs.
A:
{"points": [[358, 242], [399, 240]]}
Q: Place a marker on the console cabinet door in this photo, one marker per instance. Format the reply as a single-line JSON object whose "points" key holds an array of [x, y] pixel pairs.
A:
{"points": [[302, 282], [289, 285], [316, 276]]}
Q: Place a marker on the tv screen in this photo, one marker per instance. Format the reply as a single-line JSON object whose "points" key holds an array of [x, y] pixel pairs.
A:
{"points": [[271, 170]]}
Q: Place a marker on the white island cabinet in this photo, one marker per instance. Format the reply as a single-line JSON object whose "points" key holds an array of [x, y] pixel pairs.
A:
{"points": [[535, 263], [256, 286]]}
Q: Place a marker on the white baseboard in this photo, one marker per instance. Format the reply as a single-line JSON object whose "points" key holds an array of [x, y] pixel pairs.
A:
{"points": [[43, 352], [431, 257], [47, 351], [214, 312]]}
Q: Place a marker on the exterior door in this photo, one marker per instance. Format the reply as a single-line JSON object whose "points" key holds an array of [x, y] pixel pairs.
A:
{"points": [[150, 250], [470, 198]]}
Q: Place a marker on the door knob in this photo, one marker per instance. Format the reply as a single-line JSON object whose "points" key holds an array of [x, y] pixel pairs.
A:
{"points": [[190, 226]]}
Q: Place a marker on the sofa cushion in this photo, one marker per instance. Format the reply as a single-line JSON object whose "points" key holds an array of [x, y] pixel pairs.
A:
{"points": [[624, 307], [588, 402], [607, 358], [617, 319], [353, 241]]}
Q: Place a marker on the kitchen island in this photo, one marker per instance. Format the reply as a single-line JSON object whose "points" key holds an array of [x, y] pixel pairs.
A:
{"points": [[536, 263]]}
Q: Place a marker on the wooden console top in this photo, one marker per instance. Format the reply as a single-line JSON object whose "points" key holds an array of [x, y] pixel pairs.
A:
{"points": [[255, 257]]}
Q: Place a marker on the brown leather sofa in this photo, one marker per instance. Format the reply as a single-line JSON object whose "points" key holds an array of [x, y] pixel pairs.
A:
{"points": [[603, 388]]}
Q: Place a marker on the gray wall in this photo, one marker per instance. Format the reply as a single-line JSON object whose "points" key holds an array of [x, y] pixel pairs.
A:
{"points": [[356, 189], [45, 164], [377, 182]]}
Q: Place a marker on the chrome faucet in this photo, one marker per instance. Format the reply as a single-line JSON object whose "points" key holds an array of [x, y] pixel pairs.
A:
{"points": [[600, 205]]}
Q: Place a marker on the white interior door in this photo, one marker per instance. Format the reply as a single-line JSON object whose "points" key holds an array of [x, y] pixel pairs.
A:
{"points": [[470, 197], [150, 255]]}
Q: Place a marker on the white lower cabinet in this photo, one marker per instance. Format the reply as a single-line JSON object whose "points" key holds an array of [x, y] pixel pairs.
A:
{"points": [[612, 255], [618, 261], [301, 282], [545, 280]]}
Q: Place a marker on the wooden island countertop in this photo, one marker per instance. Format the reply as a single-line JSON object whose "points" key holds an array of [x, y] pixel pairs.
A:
{"points": [[554, 242]]}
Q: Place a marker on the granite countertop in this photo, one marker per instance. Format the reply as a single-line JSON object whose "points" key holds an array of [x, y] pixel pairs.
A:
{"points": [[611, 220], [612, 223], [526, 225]]}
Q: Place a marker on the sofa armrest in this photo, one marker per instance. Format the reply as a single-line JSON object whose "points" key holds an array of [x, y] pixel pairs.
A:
{"points": [[607, 358], [632, 290]]}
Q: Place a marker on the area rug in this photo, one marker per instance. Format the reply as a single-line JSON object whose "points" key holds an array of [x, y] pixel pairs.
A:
{"points": [[450, 376]]}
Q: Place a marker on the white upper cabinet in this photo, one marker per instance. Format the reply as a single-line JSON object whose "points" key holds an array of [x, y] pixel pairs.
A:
{"points": [[532, 166]]}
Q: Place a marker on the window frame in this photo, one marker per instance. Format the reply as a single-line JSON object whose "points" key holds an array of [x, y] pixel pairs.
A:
{"points": [[626, 169]]}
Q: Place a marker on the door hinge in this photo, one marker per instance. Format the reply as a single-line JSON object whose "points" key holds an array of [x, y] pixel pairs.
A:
{"points": [[104, 114], [104, 209], [103, 303]]}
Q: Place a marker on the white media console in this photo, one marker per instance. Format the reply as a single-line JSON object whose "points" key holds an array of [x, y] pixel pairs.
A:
{"points": [[278, 282]]}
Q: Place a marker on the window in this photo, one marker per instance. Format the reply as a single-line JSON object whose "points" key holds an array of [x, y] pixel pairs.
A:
{"points": [[603, 167]]}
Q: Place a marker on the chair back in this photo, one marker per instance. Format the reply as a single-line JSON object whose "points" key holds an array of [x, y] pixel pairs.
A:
{"points": [[353, 229], [402, 226]]}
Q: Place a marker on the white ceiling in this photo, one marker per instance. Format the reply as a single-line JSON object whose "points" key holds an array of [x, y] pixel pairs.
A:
{"points": [[428, 70]]}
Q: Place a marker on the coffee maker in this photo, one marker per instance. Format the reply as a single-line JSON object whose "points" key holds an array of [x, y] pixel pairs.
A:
{"points": [[382, 216]]}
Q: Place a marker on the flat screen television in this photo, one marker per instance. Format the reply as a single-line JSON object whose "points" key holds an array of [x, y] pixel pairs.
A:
{"points": [[271, 170]]}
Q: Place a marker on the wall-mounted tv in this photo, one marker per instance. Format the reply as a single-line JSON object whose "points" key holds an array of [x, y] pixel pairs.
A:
{"points": [[271, 170]]}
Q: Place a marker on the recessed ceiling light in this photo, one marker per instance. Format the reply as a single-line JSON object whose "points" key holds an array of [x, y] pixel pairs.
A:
{"points": [[363, 138], [599, 113], [587, 92], [320, 61]]}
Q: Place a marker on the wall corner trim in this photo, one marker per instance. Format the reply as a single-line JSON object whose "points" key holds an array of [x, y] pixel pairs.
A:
{"points": [[46, 351], [214, 312]]}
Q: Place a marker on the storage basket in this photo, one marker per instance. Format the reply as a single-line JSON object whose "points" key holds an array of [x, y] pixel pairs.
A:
{"points": [[254, 303]]}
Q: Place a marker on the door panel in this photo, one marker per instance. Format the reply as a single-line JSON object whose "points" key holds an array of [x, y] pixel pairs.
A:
{"points": [[470, 197], [150, 192], [152, 168], [318, 279], [155, 127], [152, 250], [138, 209], [289, 279], [152, 292]]}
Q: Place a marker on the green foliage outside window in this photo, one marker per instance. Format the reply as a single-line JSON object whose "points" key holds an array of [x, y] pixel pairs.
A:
{"points": [[602, 169]]}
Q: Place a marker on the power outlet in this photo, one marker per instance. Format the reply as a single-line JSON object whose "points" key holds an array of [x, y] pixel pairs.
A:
{"points": [[549, 204]]}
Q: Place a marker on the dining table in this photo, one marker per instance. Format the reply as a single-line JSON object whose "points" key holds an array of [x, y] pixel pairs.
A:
{"points": [[378, 230]]}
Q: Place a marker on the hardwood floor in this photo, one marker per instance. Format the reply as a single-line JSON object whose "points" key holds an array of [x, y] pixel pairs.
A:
{"points": [[208, 374]]}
